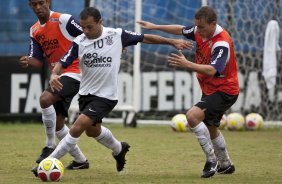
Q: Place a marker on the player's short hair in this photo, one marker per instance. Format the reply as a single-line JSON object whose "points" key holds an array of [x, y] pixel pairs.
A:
{"points": [[90, 11], [207, 13]]}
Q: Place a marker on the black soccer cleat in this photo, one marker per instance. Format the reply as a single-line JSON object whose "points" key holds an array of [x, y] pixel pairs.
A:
{"points": [[75, 165], [46, 151], [120, 158], [227, 170], [34, 171], [210, 169]]}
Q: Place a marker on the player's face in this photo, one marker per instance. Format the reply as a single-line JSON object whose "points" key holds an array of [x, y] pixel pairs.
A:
{"points": [[205, 29], [91, 28], [40, 8]]}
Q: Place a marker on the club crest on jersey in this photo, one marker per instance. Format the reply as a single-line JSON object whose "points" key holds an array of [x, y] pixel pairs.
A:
{"points": [[109, 40]]}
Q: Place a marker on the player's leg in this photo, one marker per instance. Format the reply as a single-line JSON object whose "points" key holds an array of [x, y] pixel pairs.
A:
{"points": [[97, 110], [105, 137], [222, 102], [215, 106], [80, 161], [47, 99], [70, 89], [195, 116], [69, 142], [219, 144]]}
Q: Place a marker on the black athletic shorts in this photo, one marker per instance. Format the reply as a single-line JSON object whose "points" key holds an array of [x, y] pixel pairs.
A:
{"points": [[70, 89], [215, 106], [95, 107]]}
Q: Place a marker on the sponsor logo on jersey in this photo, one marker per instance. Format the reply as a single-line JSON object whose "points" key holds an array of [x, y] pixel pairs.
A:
{"points": [[111, 33], [92, 60], [109, 40], [47, 44], [187, 31], [132, 33], [76, 25]]}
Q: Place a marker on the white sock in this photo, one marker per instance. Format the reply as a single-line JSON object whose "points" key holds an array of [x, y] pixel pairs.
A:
{"points": [[107, 139], [76, 152], [67, 144], [221, 151], [203, 136], [49, 121]]}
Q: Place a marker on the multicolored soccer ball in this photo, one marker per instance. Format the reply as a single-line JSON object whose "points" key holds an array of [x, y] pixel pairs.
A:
{"points": [[235, 121], [254, 121], [50, 169], [223, 122], [179, 123]]}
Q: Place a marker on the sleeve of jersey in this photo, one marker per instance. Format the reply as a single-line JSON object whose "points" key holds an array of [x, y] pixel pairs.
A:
{"points": [[130, 38], [71, 24], [35, 50], [219, 58], [70, 56], [189, 32]]}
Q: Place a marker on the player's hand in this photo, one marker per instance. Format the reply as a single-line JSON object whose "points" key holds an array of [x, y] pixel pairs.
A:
{"points": [[181, 44], [146, 25], [24, 61], [178, 60], [55, 83]]}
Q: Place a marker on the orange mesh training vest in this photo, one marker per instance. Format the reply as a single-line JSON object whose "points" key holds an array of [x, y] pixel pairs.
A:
{"points": [[53, 43], [209, 84]]}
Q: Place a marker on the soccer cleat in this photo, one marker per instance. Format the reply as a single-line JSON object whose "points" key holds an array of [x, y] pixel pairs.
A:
{"points": [[227, 170], [46, 151], [34, 171], [75, 165], [120, 158], [210, 169]]}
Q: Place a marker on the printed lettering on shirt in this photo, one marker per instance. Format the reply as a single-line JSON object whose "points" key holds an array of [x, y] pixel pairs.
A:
{"points": [[91, 60], [217, 57], [132, 33], [187, 31]]}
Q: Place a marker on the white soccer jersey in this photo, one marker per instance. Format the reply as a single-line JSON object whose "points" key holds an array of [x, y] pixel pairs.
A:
{"points": [[99, 60]]}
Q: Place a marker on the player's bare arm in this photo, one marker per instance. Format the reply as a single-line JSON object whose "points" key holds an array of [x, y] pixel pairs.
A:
{"points": [[177, 43], [173, 29], [26, 61], [179, 60], [54, 82]]}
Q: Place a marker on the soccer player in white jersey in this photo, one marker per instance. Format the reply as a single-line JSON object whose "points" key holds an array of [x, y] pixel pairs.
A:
{"points": [[50, 38], [99, 51]]}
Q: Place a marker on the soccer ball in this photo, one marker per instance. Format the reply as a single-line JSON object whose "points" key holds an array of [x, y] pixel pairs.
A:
{"points": [[179, 123], [235, 121], [254, 121], [223, 122], [50, 169]]}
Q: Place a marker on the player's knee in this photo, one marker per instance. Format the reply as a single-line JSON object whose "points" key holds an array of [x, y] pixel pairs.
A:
{"points": [[192, 118], [44, 101]]}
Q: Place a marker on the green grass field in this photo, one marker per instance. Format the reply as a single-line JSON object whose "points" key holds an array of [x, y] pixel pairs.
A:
{"points": [[157, 155]]}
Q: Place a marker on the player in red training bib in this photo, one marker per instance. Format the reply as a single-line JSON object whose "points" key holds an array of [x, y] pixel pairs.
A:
{"points": [[216, 69], [50, 37]]}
